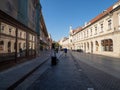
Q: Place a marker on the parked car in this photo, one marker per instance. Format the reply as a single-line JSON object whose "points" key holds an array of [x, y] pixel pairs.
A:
{"points": [[79, 50]]}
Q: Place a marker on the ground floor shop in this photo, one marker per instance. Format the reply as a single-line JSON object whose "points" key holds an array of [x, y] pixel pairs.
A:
{"points": [[108, 45]]}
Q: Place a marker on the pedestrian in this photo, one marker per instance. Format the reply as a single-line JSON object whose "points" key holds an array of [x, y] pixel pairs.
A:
{"points": [[65, 51], [56, 50], [20, 50], [53, 55]]}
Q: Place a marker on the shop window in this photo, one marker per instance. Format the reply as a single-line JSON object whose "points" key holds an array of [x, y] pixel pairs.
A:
{"points": [[107, 45]]}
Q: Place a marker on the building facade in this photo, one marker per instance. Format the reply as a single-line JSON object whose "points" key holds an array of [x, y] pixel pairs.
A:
{"points": [[64, 42], [44, 36], [101, 35], [20, 28]]}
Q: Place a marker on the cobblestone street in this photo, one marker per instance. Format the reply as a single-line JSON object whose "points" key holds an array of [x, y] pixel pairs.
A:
{"points": [[73, 74], [64, 76]]}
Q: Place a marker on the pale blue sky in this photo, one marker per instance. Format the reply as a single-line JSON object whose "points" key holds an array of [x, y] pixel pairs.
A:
{"points": [[60, 14]]}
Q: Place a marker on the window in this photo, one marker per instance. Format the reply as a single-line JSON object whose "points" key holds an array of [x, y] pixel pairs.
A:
{"points": [[32, 38], [20, 34], [87, 33], [1, 42], [24, 35], [10, 31], [101, 27], [81, 35], [107, 45], [109, 24], [9, 46], [2, 28], [91, 31], [119, 18], [19, 45], [84, 34], [24, 45], [95, 29]]}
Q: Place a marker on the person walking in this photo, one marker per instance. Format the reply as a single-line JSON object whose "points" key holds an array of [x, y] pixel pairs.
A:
{"points": [[65, 51]]}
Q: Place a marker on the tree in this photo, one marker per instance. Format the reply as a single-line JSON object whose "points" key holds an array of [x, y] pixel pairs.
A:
{"points": [[55, 45]]}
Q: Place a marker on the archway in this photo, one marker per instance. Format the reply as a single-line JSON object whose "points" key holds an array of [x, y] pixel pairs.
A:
{"points": [[91, 47]]}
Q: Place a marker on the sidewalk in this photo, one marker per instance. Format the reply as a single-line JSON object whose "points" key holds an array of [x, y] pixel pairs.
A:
{"points": [[107, 64], [10, 78]]}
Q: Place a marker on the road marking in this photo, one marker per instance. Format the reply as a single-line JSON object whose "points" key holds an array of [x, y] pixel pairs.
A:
{"points": [[90, 88]]}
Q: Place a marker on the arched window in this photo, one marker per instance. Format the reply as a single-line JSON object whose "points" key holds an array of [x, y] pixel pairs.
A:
{"points": [[107, 44]]}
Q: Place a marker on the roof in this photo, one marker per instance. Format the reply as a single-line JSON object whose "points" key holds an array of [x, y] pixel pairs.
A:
{"points": [[98, 17], [101, 15]]}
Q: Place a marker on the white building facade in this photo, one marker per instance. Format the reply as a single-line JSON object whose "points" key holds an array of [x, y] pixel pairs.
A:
{"points": [[99, 36]]}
